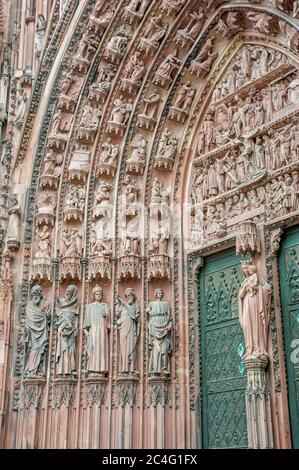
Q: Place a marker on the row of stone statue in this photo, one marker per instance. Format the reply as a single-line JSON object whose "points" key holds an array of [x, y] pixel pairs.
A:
{"points": [[250, 64], [254, 311], [96, 326]]}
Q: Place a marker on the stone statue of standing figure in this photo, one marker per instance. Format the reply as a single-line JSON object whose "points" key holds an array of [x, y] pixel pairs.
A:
{"points": [[36, 332], [67, 329], [129, 327], [96, 328], [254, 312], [13, 227], [160, 334]]}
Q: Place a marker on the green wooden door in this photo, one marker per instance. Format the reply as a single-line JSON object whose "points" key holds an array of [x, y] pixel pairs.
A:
{"points": [[289, 283], [223, 377]]}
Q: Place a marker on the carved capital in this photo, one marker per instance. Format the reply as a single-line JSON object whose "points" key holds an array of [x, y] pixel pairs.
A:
{"points": [[158, 391], [63, 392], [32, 393]]}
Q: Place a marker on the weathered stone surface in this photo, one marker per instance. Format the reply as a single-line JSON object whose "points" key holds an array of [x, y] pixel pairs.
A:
{"points": [[157, 133]]}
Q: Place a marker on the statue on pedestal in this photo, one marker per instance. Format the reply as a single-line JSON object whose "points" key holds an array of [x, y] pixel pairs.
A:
{"points": [[160, 328], [96, 327], [128, 326], [36, 332], [254, 312], [67, 329]]}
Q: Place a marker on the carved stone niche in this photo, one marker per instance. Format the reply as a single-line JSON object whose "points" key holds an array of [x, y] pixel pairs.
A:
{"points": [[70, 268], [99, 267], [129, 267], [102, 206], [130, 16], [166, 150], [115, 128], [170, 6], [247, 238], [117, 45], [98, 25], [80, 65], [74, 204], [79, 165], [46, 204], [57, 142], [159, 267], [135, 167], [107, 159], [89, 123], [119, 116], [164, 74]]}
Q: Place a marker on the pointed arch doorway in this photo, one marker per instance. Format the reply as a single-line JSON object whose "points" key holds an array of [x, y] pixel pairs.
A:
{"points": [[223, 376], [289, 286]]}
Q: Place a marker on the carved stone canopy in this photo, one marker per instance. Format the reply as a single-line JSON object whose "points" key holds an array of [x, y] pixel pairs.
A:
{"points": [[247, 238]]}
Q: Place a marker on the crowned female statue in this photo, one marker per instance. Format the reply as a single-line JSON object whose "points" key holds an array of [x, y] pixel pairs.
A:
{"points": [[254, 312]]}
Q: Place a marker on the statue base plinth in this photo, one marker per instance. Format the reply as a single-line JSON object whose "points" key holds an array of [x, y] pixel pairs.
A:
{"points": [[128, 377], [259, 425], [115, 128], [13, 245], [256, 364], [106, 169], [145, 122], [95, 378]]}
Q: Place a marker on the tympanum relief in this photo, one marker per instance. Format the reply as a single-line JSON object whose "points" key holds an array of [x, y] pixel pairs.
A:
{"points": [[247, 152]]}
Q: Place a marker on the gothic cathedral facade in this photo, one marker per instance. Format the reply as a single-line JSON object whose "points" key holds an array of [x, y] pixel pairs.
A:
{"points": [[149, 224]]}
